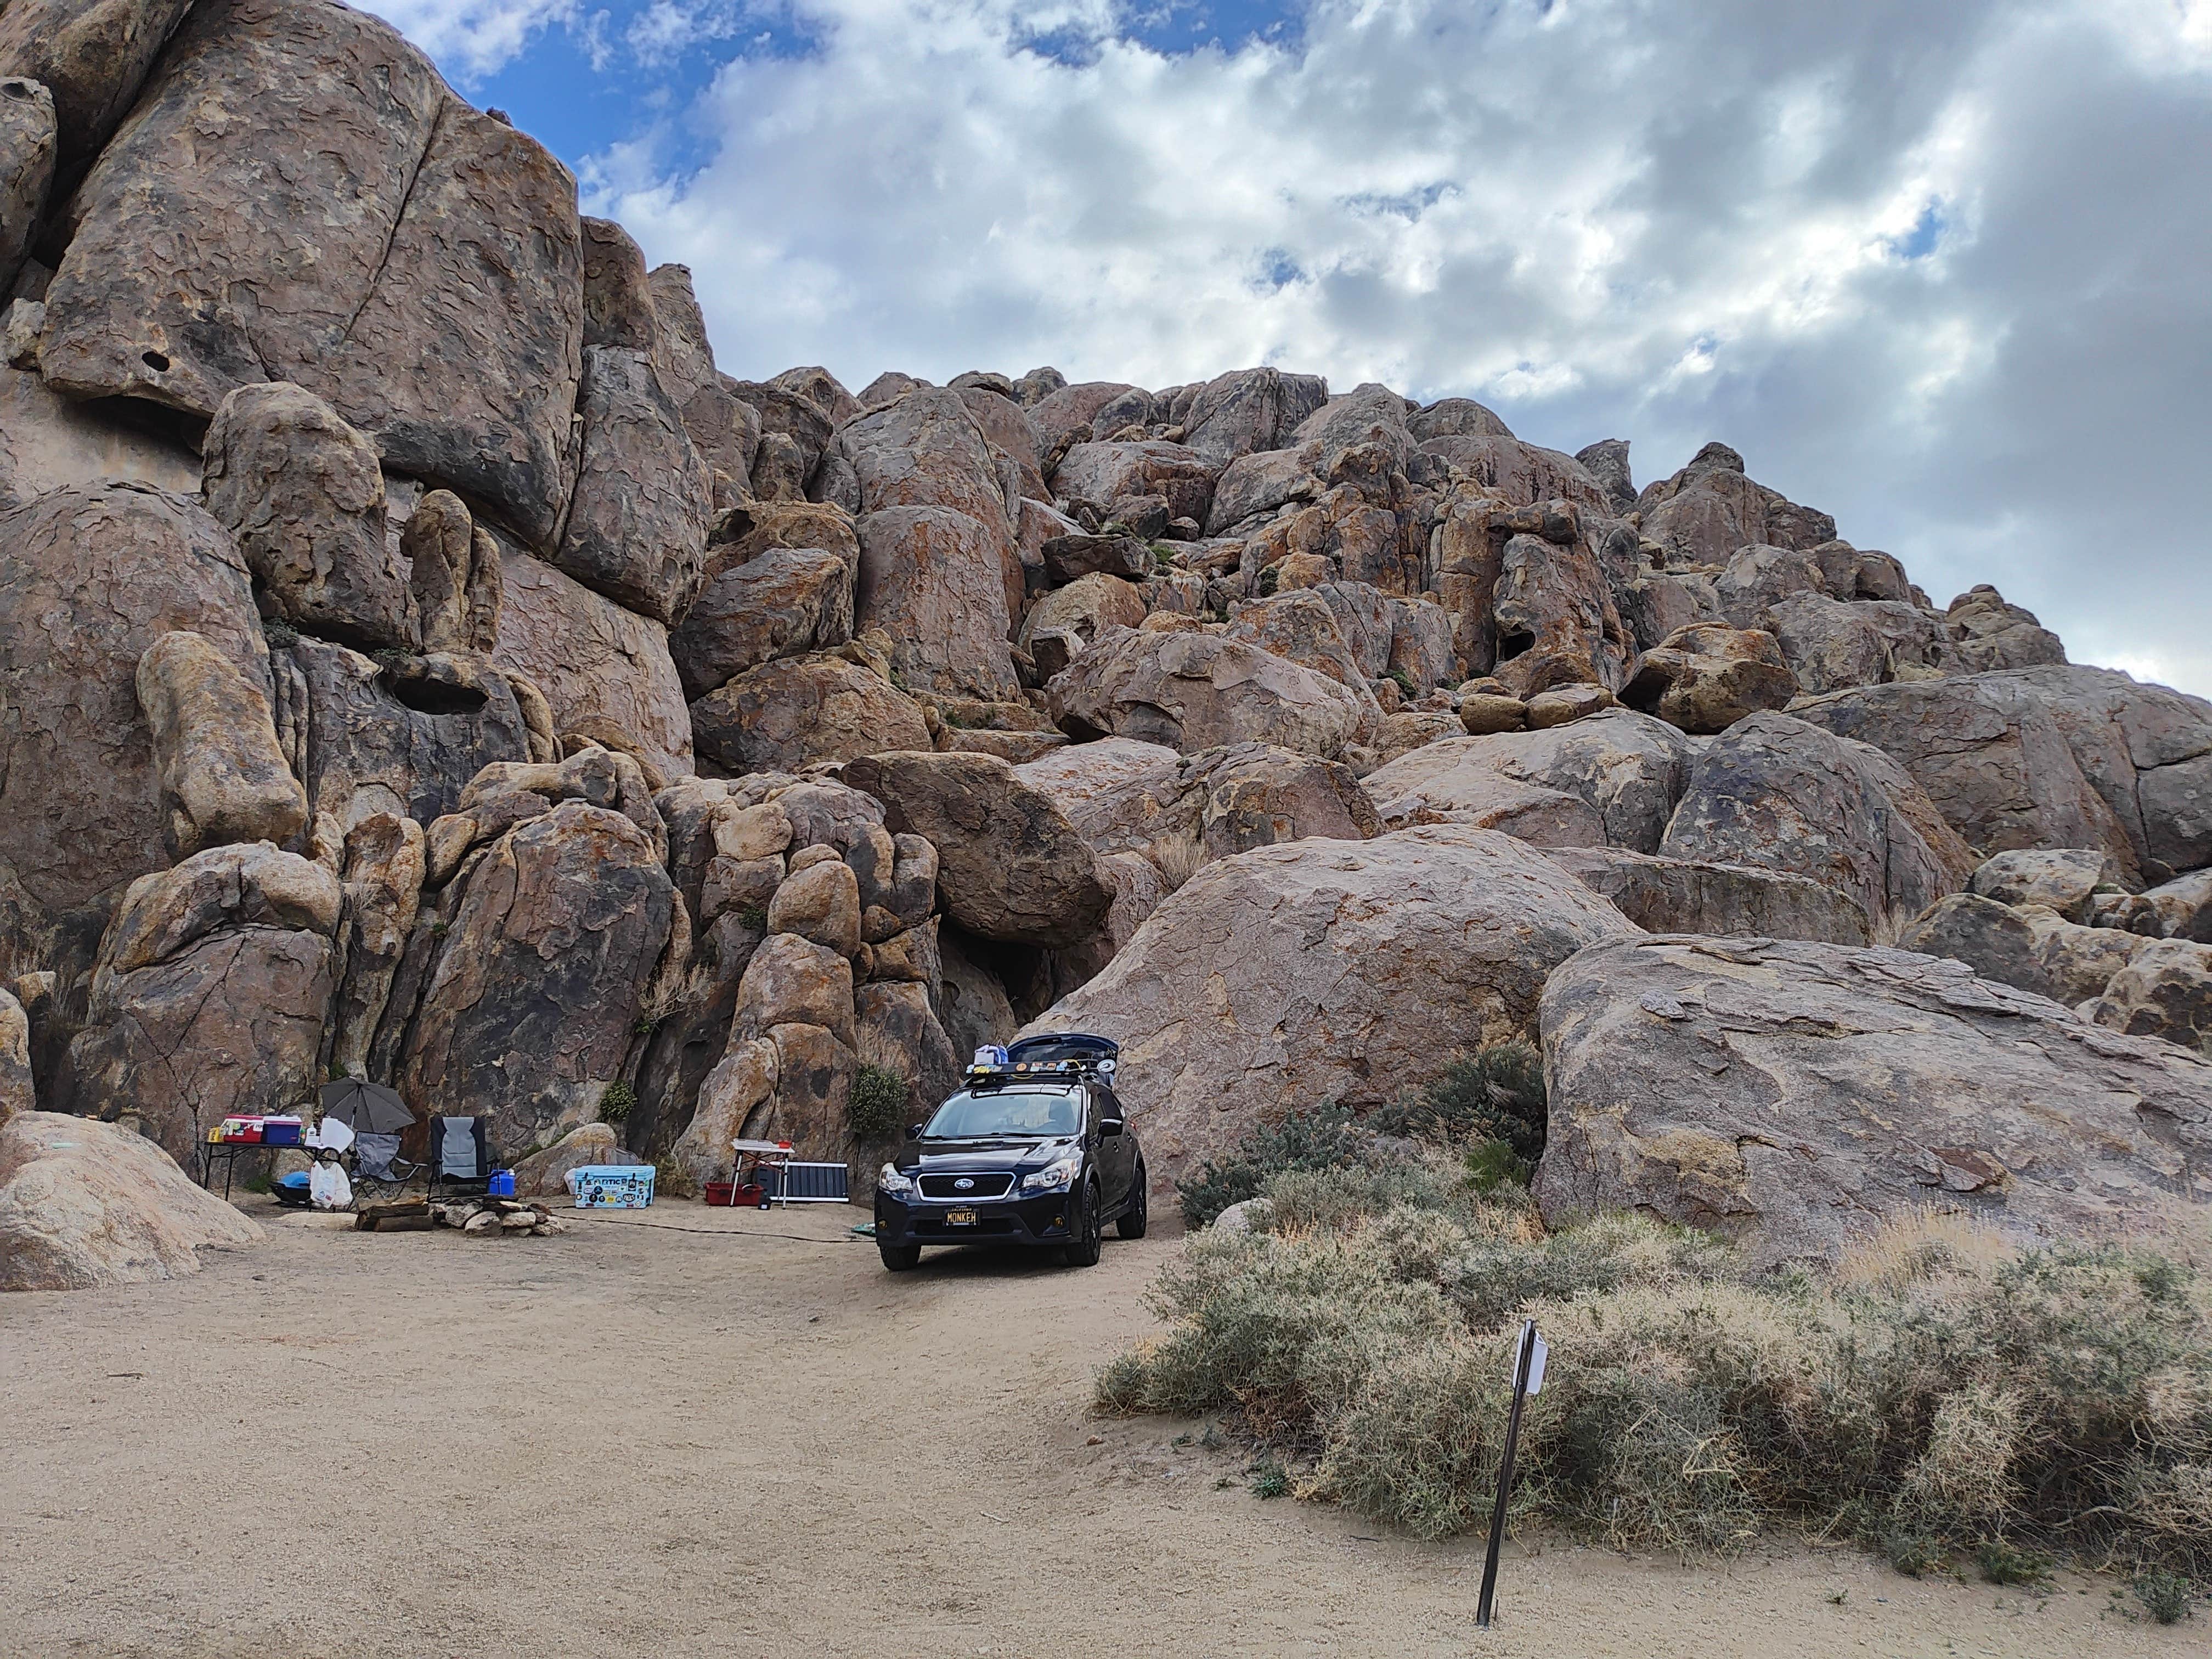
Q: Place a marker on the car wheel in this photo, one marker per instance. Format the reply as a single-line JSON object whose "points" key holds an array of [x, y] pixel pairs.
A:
{"points": [[900, 1258], [1132, 1224], [1084, 1253]]}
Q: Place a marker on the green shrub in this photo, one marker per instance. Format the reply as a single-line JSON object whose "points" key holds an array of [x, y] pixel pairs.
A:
{"points": [[1405, 684], [616, 1103], [1939, 1395], [1496, 1097], [279, 634], [1269, 582], [1271, 1479], [877, 1104], [1321, 1138], [2164, 1594], [2006, 1564]]}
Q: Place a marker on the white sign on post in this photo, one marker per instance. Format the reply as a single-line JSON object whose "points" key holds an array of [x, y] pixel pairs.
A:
{"points": [[1536, 1364]]}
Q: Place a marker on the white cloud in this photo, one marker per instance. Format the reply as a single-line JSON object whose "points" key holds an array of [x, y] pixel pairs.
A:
{"points": [[474, 38], [1937, 269]]}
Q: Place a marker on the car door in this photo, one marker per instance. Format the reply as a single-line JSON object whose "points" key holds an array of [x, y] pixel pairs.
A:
{"points": [[1117, 1154]]}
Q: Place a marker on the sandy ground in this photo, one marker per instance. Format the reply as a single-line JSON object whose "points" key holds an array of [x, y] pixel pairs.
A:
{"points": [[636, 1440]]}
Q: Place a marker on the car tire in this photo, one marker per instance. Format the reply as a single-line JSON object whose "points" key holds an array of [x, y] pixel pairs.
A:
{"points": [[1084, 1251], [900, 1258], [1134, 1219]]}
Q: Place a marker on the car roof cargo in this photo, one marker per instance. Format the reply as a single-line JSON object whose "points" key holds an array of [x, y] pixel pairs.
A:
{"points": [[1063, 1045]]}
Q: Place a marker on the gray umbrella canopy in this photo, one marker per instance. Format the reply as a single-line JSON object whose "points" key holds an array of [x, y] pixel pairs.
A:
{"points": [[366, 1108]]}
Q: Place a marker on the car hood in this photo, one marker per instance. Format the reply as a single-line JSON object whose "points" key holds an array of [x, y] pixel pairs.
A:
{"points": [[1003, 1153]]}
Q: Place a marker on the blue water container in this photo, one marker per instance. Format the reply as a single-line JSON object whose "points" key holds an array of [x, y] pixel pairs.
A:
{"points": [[502, 1183]]}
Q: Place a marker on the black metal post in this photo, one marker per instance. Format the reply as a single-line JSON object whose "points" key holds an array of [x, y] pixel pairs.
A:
{"points": [[1482, 1605]]}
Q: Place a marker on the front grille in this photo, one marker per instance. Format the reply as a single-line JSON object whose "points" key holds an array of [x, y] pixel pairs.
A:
{"points": [[985, 1185]]}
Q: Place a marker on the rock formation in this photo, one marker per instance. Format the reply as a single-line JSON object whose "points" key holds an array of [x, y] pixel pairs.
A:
{"points": [[1794, 1095], [420, 660]]}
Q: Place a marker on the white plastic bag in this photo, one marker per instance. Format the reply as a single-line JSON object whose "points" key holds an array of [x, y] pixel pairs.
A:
{"points": [[328, 1188]]}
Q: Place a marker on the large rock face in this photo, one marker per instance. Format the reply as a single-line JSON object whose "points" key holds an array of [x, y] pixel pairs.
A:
{"points": [[1250, 408], [2049, 756], [92, 55], [302, 492], [210, 995], [1707, 511], [384, 865], [48, 441], [1195, 690], [593, 660], [1328, 969], [1010, 865], [396, 737], [725, 430], [783, 602], [1795, 1096], [937, 554], [223, 777], [27, 168], [792, 712], [1690, 896], [2029, 946], [85, 1204], [636, 529], [1706, 676], [935, 580], [1781, 794], [529, 1008], [1621, 772], [437, 303], [18, 1089], [89, 577]]}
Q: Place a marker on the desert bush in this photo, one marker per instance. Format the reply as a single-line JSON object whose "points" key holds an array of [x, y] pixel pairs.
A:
{"points": [[1939, 1395], [2163, 1593], [877, 1104], [1320, 1138], [616, 1103], [1493, 1104]]}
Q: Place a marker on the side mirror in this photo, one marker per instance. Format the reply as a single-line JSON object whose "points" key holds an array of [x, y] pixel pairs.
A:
{"points": [[913, 1132], [1110, 1126]]}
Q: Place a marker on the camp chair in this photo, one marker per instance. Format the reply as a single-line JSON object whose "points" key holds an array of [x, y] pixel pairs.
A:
{"points": [[459, 1157], [376, 1161]]}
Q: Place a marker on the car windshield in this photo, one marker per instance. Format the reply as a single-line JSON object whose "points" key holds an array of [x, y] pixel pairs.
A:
{"points": [[969, 1117]]}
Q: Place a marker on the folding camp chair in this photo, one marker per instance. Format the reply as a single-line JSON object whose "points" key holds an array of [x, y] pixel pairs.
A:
{"points": [[458, 1158], [377, 1163]]}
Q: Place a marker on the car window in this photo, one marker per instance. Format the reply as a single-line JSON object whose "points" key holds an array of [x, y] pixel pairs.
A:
{"points": [[969, 1115]]}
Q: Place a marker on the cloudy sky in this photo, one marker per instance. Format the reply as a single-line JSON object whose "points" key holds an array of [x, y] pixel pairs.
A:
{"points": [[1944, 270]]}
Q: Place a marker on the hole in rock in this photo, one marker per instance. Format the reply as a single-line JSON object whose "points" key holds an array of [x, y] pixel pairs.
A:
{"points": [[155, 360], [426, 695], [1511, 646]]}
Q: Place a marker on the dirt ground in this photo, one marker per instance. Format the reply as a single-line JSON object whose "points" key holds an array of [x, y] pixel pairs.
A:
{"points": [[633, 1439]]}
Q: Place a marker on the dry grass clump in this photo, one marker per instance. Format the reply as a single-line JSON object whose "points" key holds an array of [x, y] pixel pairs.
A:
{"points": [[1941, 1394]]}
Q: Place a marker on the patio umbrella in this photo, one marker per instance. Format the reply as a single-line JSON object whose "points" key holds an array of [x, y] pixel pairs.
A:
{"points": [[366, 1108]]}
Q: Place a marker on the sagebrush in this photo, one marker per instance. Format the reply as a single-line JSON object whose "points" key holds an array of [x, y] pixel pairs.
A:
{"points": [[877, 1105], [1942, 1395], [1491, 1104]]}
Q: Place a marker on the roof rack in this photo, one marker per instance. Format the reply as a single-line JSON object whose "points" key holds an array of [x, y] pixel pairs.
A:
{"points": [[1067, 1056]]}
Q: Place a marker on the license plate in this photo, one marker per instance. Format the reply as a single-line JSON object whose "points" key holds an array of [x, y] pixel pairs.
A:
{"points": [[960, 1218]]}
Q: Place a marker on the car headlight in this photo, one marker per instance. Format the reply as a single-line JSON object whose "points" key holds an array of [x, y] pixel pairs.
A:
{"points": [[891, 1181], [1053, 1178]]}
